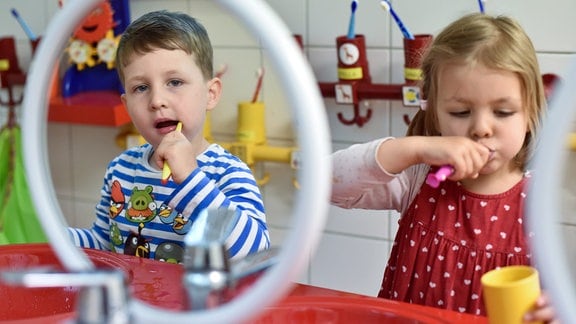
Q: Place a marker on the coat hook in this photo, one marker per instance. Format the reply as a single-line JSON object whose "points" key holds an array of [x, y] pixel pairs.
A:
{"points": [[407, 120], [357, 119]]}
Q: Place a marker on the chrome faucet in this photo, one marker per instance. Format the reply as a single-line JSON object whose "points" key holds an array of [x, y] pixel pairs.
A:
{"points": [[210, 276], [103, 297]]}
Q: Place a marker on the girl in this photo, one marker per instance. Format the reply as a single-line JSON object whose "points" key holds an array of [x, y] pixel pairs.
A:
{"points": [[484, 103]]}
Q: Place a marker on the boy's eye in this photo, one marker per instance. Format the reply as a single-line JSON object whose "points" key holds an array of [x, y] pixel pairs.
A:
{"points": [[175, 83], [140, 88]]}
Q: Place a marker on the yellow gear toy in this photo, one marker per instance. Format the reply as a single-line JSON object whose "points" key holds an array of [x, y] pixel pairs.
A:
{"points": [[81, 54], [106, 49]]}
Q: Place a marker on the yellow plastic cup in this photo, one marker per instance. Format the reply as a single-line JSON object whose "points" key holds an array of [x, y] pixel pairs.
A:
{"points": [[510, 292], [251, 123]]}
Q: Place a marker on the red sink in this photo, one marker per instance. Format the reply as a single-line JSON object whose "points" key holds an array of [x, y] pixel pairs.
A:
{"points": [[151, 281], [159, 284], [357, 309]]}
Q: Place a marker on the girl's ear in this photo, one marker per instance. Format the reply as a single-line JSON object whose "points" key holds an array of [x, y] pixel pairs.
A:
{"points": [[423, 104], [214, 92]]}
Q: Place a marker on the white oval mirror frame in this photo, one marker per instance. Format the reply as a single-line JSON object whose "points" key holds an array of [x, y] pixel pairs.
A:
{"points": [[544, 199], [311, 203]]}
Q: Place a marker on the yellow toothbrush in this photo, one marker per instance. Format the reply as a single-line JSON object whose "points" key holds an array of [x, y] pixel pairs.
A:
{"points": [[166, 170]]}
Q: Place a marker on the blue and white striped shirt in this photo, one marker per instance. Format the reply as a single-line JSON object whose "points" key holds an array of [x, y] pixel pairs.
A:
{"points": [[137, 215]]}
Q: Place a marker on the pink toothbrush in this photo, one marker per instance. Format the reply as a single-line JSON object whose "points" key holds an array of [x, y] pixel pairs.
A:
{"points": [[434, 179]]}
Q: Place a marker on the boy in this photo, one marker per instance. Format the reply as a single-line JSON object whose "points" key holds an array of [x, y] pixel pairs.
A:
{"points": [[164, 61]]}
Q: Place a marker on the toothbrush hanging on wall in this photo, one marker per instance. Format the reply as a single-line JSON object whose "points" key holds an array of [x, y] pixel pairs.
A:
{"points": [[386, 5], [481, 5], [260, 74], [352, 23], [24, 25]]}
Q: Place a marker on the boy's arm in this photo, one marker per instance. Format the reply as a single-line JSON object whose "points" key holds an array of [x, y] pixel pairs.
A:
{"points": [[236, 189]]}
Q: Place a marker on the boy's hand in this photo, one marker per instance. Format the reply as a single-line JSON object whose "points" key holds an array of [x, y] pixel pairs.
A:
{"points": [[176, 150], [543, 311]]}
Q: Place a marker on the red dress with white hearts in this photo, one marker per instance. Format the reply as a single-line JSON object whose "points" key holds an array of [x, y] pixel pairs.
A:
{"points": [[448, 238]]}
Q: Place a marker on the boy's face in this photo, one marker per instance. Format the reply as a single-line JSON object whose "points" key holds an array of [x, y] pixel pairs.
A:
{"points": [[166, 86], [485, 105]]}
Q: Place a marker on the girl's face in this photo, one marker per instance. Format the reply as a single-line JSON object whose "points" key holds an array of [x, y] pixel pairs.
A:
{"points": [[485, 105], [166, 86]]}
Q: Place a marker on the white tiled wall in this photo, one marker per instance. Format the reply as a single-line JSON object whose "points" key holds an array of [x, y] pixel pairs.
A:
{"points": [[354, 249]]}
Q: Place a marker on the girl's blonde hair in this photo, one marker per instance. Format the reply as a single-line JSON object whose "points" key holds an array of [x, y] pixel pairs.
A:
{"points": [[495, 42]]}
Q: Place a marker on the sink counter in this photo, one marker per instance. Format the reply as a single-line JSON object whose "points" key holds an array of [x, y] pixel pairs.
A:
{"points": [[308, 304], [160, 284]]}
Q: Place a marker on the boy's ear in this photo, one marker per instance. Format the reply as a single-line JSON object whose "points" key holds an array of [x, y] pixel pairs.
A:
{"points": [[214, 92]]}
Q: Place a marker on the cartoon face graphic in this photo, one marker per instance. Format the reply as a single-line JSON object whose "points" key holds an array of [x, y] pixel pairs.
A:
{"points": [[141, 208], [115, 237], [169, 252], [181, 224], [166, 214], [96, 24], [137, 245], [117, 200]]}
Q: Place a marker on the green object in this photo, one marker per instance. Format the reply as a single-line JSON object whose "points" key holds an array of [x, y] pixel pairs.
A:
{"points": [[18, 220]]}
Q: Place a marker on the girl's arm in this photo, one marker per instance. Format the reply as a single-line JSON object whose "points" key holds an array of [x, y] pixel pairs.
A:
{"points": [[359, 181]]}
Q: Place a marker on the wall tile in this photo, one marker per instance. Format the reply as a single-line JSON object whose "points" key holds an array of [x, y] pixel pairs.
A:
{"points": [[277, 236], [84, 213], [330, 19], [349, 264], [293, 14], [60, 158], [93, 147], [238, 84]]}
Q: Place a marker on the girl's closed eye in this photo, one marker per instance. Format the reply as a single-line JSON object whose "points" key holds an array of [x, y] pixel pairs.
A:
{"points": [[502, 113], [460, 113]]}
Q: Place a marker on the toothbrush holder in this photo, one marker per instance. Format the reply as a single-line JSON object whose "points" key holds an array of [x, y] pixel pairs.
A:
{"points": [[251, 123], [352, 60], [414, 50]]}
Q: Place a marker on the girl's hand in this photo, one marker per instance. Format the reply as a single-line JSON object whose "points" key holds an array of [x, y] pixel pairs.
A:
{"points": [[463, 154], [543, 311]]}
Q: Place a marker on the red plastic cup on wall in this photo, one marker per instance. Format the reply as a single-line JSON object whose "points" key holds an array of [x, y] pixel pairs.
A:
{"points": [[8, 60], [34, 44], [414, 49], [352, 60], [298, 39]]}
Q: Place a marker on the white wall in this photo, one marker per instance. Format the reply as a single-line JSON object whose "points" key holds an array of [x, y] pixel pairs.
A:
{"points": [[355, 246]]}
